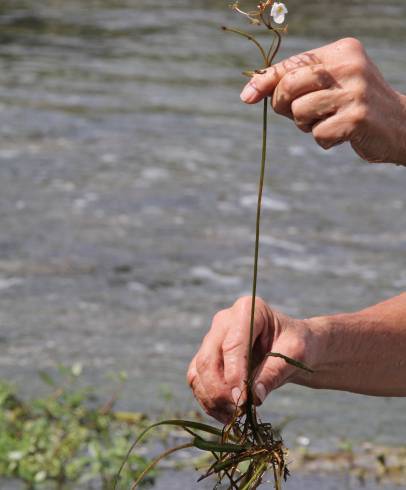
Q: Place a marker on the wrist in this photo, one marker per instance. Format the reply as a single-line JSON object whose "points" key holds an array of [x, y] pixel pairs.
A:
{"points": [[340, 352], [318, 352]]}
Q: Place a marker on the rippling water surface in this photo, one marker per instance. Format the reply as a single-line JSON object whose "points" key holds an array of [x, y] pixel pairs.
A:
{"points": [[128, 170]]}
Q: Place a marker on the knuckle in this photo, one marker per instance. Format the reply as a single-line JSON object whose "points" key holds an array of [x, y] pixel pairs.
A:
{"points": [[317, 134], [288, 82], [264, 81], [191, 376], [359, 66], [219, 318], [202, 363], [321, 139], [243, 303], [277, 105], [271, 74], [294, 62], [359, 115], [231, 343], [297, 347], [300, 115], [190, 379], [243, 306], [360, 91], [355, 68], [351, 44], [302, 125]]}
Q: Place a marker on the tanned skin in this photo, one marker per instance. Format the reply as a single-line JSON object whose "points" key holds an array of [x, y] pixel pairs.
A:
{"points": [[337, 94]]}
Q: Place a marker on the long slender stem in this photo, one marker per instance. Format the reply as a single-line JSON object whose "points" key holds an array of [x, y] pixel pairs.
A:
{"points": [[152, 465], [250, 38], [273, 50], [250, 408], [251, 418]]}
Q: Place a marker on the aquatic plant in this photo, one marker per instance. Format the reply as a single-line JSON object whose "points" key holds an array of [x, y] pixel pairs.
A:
{"points": [[245, 449], [64, 438]]}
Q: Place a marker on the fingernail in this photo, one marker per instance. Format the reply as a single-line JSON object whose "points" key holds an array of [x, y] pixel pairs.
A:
{"points": [[236, 393], [260, 391], [250, 93]]}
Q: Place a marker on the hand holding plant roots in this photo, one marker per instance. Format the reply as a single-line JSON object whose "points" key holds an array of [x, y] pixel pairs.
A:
{"points": [[245, 449]]}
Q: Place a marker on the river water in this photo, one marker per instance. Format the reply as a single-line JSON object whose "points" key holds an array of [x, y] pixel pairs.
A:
{"points": [[128, 171]]}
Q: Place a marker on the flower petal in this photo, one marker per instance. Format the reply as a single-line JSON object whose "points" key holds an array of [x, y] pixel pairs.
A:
{"points": [[279, 19], [278, 12]]}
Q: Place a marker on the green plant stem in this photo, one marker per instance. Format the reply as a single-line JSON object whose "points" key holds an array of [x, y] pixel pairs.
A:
{"points": [[250, 38], [273, 50], [257, 233], [157, 460], [250, 365], [254, 480]]}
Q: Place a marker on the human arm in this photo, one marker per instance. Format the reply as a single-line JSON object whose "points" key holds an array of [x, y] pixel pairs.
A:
{"points": [[337, 93], [362, 352]]}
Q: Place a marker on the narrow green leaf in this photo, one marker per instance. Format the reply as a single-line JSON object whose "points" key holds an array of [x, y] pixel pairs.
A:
{"points": [[153, 463], [217, 446], [255, 479], [177, 423], [290, 361]]}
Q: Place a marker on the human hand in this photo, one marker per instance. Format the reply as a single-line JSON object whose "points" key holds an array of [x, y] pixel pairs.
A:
{"points": [[337, 93], [218, 372]]}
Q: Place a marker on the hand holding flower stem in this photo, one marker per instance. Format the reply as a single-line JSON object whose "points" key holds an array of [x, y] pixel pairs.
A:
{"points": [[265, 13], [243, 440]]}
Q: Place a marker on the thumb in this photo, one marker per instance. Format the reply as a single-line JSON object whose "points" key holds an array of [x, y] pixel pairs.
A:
{"points": [[235, 346], [273, 373]]}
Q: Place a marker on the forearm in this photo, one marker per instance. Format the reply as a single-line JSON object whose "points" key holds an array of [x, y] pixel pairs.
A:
{"points": [[363, 352]]}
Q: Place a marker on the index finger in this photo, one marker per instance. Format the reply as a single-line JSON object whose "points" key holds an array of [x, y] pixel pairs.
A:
{"points": [[263, 84]]}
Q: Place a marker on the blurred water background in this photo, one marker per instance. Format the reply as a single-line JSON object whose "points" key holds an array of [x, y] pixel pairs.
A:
{"points": [[128, 173]]}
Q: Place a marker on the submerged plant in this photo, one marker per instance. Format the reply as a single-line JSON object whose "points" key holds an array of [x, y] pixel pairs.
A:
{"points": [[245, 449]]}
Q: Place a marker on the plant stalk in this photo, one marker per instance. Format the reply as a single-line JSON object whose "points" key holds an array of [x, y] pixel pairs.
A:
{"points": [[251, 418], [248, 36]]}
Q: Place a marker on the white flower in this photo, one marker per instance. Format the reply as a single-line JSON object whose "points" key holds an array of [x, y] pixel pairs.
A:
{"points": [[278, 12]]}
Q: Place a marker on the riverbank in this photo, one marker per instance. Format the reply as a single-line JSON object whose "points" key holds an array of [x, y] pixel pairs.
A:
{"points": [[299, 481], [70, 438], [360, 466]]}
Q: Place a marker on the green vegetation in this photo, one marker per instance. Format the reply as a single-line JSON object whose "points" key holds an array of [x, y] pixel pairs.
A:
{"points": [[66, 440], [63, 439]]}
